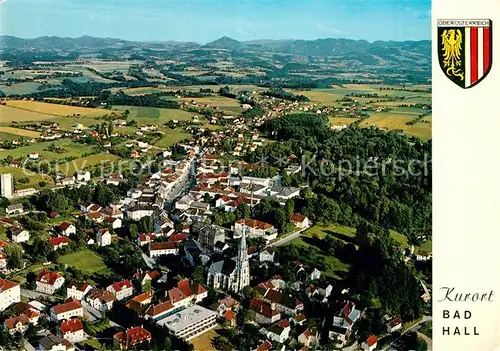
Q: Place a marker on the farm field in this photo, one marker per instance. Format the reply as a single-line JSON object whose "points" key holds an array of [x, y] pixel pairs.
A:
{"points": [[20, 88], [339, 121], [53, 109], [32, 177], [86, 260], [85, 163], [19, 132], [171, 137], [153, 115], [388, 120], [223, 103], [70, 150]]}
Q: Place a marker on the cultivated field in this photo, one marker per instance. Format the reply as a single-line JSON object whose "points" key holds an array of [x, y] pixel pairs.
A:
{"points": [[340, 121], [86, 163], [19, 132], [52, 109], [223, 103]]}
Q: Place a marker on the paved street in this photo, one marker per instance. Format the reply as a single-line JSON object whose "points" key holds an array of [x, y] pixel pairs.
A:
{"points": [[288, 238], [31, 294], [414, 327]]}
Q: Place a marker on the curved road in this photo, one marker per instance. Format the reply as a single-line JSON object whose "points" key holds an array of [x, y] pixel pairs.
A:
{"points": [[414, 327]]}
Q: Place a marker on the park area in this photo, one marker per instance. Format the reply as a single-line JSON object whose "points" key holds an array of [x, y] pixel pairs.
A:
{"points": [[85, 260]]}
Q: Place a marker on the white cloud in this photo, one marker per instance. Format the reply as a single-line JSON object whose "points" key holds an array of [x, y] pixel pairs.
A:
{"points": [[321, 27]]}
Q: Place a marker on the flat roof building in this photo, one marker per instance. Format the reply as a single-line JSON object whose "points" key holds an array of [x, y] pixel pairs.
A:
{"points": [[190, 322]]}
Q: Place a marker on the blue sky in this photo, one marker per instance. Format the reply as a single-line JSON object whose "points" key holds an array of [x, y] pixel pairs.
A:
{"points": [[206, 20]]}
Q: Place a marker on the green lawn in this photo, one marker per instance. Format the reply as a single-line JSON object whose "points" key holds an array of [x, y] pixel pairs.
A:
{"points": [[92, 343], [86, 260], [86, 163], [171, 137], [70, 150], [33, 178]]}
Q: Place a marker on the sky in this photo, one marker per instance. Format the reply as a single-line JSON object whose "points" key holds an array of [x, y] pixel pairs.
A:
{"points": [[206, 20]]}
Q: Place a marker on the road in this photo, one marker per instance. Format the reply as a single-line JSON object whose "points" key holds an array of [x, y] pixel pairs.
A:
{"points": [[288, 238], [414, 327], [31, 294], [426, 339]]}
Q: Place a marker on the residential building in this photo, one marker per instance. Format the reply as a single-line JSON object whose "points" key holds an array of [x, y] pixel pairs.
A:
{"points": [[306, 338], [132, 337], [264, 312], [137, 212], [394, 324], [267, 255], [48, 282], [103, 237], [186, 293], [54, 343], [82, 176], [190, 322], [343, 322], [279, 332], [59, 242], [101, 300], [77, 290], [370, 344], [300, 221], [285, 303], [114, 222], [3, 260], [14, 209], [209, 235], [7, 185], [255, 229], [160, 310], [163, 249], [17, 324], [71, 330], [66, 229], [71, 308], [122, 289], [20, 235], [145, 239]]}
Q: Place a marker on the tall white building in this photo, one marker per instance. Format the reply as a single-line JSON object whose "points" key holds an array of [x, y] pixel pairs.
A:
{"points": [[242, 273], [7, 185]]}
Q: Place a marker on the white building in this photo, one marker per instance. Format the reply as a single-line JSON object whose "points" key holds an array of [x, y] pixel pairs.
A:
{"points": [[10, 292], [122, 289], [54, 343], [83, 176], [48, 282], [20, 235], [66, 229], [163, 249], [77, 290], [103, 237], [101, 300], [7, 185], [71, 330], [255, 229], [137, 212], [71, 308], [190, 322]]}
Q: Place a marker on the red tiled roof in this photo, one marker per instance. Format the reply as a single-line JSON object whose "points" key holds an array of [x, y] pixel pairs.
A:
{"points": [[394, 322], [71, 305], [176, 295], [169, 245], [253, 223], [284, 323], [59, 240], [263, 308], [71, 326], [178, 237], [143, 297], [229, 315], [11, 322], [297, 217], [266, 346], [160, 308], [133, 336], [307, 332], [64, 225], [47, 277], [53, 214], [124, 284], [300, 317], [372, 340], [104, 296], [146, 237], [3, 244]]}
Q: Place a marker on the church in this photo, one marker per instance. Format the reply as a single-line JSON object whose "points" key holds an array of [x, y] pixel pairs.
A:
{"points": [[231, 274]]}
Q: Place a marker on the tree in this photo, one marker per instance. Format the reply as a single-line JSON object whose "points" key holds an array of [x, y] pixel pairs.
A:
{"points": [[14, 257], [198, 274], [133, 230]]}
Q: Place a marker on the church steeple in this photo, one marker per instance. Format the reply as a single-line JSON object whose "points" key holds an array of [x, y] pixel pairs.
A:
{"points": [[242, 265]]}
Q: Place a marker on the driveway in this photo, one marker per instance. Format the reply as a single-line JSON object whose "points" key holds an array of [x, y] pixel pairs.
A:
{"points": [[288, 238]]}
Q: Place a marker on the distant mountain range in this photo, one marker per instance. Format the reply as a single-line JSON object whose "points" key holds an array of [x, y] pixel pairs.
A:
{"points": [[318, 47]]}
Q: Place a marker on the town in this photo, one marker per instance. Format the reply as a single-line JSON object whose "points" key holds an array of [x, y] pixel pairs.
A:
{"points": [[176, 198]]}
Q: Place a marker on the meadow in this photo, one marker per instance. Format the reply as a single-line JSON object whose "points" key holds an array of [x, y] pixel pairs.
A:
{"points": [[85, 163], [85, 260], [153, 115], [171, 137], [70, 149], [33, 178]]}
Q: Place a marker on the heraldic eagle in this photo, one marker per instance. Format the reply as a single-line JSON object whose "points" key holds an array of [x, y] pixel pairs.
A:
{"points": [[451, 40]]}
